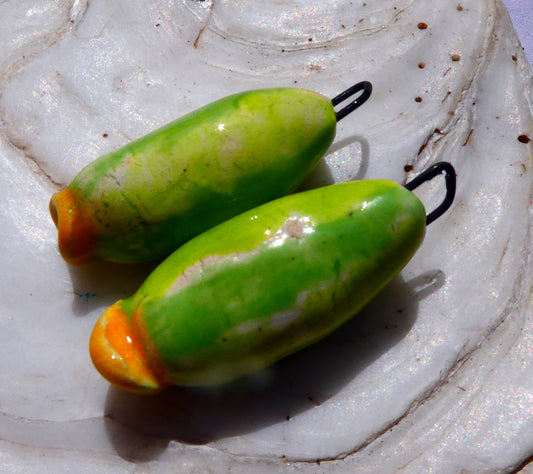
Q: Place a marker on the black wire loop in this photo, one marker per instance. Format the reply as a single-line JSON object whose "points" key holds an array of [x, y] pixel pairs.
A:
{"points": [[430, 173], [365, 87]]}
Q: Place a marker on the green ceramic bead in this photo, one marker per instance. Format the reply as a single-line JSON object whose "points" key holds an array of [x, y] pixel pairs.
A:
{"points": [[142, 201], [259, 287]]}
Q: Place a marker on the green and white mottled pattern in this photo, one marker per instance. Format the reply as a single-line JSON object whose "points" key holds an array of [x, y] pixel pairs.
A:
{"points": [[276, 278], [157, 192]]}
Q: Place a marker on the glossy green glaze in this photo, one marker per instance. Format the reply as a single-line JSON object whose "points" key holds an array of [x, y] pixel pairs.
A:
{"points": [[154, 194], [273, 280]]}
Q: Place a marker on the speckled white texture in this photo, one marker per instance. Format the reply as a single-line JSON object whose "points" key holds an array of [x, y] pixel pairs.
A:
{"points": [[435, 375]]}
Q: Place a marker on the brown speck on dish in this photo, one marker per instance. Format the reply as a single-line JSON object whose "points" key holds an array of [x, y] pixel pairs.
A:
{"points": [[408, 168], [448, 94], [418, 99], [460, 7], [422, 25], [315, 67], [104, 135], [514, 58], [421, 65], [456, 57], [524, 138], [468, 137]]}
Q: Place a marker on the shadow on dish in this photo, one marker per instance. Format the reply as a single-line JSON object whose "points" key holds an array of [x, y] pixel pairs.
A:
{"points": [[100, 284], [356, 146], [294, 385]]}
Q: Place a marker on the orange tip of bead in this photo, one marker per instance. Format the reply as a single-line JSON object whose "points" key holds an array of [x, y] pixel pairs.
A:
{"points": [[77, 234], [119, 356]]}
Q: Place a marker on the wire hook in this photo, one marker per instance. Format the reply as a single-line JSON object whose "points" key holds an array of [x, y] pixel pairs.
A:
{"points": [[364, 86], [430, 173]]}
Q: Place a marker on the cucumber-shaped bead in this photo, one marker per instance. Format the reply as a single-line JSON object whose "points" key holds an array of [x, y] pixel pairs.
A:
{"points": [[259, 286], [142, 201]]}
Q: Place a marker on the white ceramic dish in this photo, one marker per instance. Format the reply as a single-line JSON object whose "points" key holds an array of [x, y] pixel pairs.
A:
{"points": [[434, 375]]}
